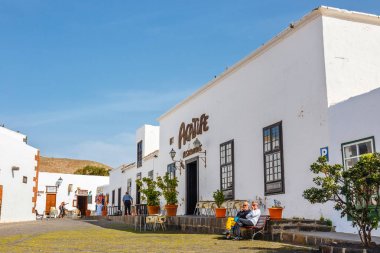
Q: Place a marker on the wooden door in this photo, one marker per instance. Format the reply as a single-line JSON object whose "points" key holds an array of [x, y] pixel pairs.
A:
{"points": [[50, 202]]}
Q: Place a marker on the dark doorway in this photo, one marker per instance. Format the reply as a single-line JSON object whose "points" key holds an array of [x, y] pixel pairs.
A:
{"points": [[138, 195], [191, 185], [82, 204], [119, 198]]}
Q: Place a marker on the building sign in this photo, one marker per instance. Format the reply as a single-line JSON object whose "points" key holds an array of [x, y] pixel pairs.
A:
{"points": [[82, 192], [189, 152], [51, 189], [325, 152], [191, 130]]}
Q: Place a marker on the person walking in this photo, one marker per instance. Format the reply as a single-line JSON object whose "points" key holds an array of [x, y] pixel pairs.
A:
{"points": [[128, 200], [62, 210]]}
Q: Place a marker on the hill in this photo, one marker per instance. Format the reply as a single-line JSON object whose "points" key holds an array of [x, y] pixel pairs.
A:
{"points": [[65, 165]]}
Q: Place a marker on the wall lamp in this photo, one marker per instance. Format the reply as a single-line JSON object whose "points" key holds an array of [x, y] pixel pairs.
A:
{"points": [[14, 168], [59, 182], [197, 144], [177, 164]]}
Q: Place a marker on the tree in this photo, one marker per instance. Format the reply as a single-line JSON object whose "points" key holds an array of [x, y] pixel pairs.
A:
{"points": [[355, 191], [148, 187], [92, 170], [168, 187]]}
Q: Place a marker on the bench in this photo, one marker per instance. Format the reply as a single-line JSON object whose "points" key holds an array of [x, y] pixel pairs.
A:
{"points": [[260, 226]]}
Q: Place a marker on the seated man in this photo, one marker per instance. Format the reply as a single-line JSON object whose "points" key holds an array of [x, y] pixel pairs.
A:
{"points": [[246, 217]]}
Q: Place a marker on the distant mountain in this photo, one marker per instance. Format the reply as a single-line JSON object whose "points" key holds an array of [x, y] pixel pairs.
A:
{"points": [[65, 165]]}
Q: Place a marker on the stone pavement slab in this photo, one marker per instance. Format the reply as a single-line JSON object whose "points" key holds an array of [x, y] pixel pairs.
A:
{"points": [[339, 236]]}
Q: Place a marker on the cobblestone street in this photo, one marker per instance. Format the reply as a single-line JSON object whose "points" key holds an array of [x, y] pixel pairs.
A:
{"points": [[103, 236]]}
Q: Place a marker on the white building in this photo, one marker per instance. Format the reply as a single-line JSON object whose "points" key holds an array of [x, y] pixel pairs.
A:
{"points": [[78, 191], [264, 121], [18, 177], [123, 178]]}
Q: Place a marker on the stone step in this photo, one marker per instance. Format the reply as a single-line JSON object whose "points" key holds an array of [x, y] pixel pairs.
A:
{"points": [[301, 227], [297, 221]]}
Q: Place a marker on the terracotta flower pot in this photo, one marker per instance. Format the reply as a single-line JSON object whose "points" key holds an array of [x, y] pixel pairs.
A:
{"points": [[275, 213], [104, 212], [220, 212], [153, 210], [88, 212], [171, 210]]}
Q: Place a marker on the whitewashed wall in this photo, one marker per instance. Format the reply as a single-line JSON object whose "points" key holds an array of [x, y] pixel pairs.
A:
{"points": [[285, 83], [351, 120], [17, 202], [351, 57], [150, 136], [84, 182]]}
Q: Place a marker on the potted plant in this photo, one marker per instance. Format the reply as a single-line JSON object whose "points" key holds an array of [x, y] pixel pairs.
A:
{"points": [[168, 187], [218, 196], [275, 212], [148, 188]]}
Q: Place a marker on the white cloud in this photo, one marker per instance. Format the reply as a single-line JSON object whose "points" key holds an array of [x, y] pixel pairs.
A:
{"points": [[126, 102]]}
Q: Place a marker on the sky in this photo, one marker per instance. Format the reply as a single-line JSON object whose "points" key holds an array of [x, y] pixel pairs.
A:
{"points": [[78, 77]]}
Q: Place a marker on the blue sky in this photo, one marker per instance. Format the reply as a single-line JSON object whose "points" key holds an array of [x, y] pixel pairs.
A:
{"points": [[79, 77]]}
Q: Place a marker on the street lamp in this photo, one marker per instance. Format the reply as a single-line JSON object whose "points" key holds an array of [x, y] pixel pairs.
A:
{"points": [[177, 164]]}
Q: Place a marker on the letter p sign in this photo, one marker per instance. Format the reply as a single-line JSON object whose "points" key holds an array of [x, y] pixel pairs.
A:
{"points": [[325, 152]]}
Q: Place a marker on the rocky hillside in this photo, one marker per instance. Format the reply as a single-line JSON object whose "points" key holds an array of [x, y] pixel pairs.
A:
{"points": [[65, 165]]}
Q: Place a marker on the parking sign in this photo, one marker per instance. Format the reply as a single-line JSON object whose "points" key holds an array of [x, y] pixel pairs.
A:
{"points": [[325, 152]]}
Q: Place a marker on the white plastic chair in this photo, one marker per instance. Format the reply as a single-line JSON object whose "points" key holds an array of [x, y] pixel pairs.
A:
{"points": [[150, 222]]}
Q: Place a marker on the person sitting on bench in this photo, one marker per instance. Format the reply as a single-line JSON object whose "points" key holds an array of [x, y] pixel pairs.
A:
{"points": [[246, 217]]}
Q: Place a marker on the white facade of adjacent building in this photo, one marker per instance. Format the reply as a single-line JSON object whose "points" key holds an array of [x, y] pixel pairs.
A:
{"points": [[18, 177], [123, 178], [78, 191]]}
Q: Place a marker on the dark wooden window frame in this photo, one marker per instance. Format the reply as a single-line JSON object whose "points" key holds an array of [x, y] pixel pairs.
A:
{"points": [[151, 174], [359, 140], [138, 194], [139, 153], [129, 186], [281, 150], [349, 218], [113, 197], [226, 164]]}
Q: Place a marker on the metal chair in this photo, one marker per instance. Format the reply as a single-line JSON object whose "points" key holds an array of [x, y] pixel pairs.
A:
{"points": [[230, 207], [39, 216], [198, 208], [160, 221]]}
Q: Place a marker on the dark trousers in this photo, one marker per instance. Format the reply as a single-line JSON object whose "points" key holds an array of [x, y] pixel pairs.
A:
{"points": [[127, 205], [241, 223]]}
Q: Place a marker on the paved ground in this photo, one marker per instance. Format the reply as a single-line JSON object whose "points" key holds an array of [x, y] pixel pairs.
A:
{"points": [[103, 236], [340, 236]]}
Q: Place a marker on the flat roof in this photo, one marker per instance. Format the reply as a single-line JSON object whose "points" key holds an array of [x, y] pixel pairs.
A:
{"points": [[320, 11]]}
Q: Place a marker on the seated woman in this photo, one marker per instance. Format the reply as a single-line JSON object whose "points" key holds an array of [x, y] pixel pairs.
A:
{"points": [[246, 217]]}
